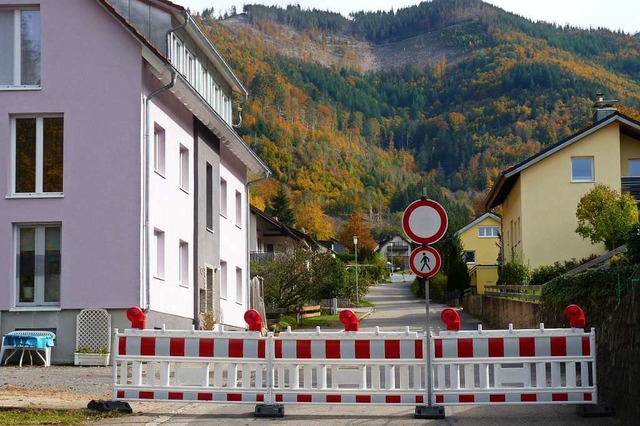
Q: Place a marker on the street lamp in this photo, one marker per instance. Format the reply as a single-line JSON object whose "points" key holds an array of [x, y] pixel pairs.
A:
{"points": [[355, 245]]}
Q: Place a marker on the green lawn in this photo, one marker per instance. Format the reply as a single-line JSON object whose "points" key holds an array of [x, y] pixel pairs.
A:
{"points": [[37, 416]]}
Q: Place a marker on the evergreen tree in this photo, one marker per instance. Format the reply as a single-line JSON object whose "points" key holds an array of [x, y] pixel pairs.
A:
{"points": [[280, 207]]}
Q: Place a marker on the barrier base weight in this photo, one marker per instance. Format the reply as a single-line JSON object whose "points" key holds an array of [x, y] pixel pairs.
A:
{"points": [[265, 410], [426, 412], [593, 410], [102, 405]]}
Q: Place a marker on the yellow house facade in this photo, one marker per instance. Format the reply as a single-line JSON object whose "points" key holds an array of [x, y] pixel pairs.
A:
{"points": [[539, 196], [480, 239]]}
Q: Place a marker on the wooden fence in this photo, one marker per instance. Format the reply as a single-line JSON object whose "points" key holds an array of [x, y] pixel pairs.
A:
{"points": [[526, 293]]}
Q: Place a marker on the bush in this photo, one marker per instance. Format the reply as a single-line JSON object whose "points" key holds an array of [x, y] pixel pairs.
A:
{"points": [[514, 272], [289, 321], [543, 274], [438, 287], [632, 239]]}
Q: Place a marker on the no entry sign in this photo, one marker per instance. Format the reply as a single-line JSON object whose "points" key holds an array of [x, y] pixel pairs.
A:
{"points": [[425, 261], [425, 221]]}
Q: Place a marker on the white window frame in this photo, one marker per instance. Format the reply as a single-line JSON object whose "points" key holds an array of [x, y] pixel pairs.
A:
{"points": [[38, 290], [223, 197], [159, 240], [474, 257], [224, 285], [159, 150], [239, 286], [39, 157], [184, 168], [17, 49], [581, 179], [488, 231], [238, 209], [183, 264], [209, 197]]}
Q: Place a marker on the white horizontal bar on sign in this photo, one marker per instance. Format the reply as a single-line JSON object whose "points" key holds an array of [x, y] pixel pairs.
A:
{"points": [[203, 334], [511, 360], [535, 332]]}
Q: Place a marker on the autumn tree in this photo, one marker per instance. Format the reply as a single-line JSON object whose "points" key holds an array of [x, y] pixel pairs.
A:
{"points": [[280, 207], [356, 226], [311, 217], [604, 216]]}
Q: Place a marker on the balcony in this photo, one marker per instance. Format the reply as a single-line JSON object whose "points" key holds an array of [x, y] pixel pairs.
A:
{"points": [[631, 185], [402, 248], [262, 257]]}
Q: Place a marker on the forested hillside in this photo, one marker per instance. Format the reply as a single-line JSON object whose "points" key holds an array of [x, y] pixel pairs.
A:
{"points": [[362, 113]]}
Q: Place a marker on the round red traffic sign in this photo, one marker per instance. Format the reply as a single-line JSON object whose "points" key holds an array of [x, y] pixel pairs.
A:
{"points": [[425, 221], [425, 261]]}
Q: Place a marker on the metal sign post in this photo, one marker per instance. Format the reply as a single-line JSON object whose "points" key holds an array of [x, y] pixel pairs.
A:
{"points": [[429, 370]]}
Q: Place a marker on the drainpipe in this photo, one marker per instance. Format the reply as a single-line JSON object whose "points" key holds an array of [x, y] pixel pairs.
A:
{"points": [[147, 172]]}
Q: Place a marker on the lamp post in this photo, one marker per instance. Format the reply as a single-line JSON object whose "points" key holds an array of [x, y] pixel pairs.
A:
{"points": [[355, 245]]}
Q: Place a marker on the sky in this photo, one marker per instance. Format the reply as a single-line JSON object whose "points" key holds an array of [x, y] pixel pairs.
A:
{"points": [[612, 14]]}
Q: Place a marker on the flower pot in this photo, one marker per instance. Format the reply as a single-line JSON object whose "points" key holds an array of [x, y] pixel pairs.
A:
{"points": [[91, 359]]}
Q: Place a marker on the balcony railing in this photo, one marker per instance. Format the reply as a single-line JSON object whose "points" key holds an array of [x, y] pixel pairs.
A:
{"points": [[397, 248], [631, 185], [262, 257]]}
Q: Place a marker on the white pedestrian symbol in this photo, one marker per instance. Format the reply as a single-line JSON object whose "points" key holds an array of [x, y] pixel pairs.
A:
{"points": [[425, 261]]}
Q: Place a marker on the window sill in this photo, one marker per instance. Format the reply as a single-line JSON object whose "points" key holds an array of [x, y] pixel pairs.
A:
{"points": [[159, 174], [582, 181], [210, 230], [36, 308], [186, 191], [20, 88], [183, 285], [238, 226], [158, 278], [223, 215], [27, 196]]}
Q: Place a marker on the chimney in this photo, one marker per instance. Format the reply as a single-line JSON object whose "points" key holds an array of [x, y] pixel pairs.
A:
{"points": [[603, 107]]}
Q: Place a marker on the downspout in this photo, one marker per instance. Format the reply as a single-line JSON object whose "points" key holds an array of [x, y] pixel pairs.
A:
{"points": [[265, 176], [148, 165]]}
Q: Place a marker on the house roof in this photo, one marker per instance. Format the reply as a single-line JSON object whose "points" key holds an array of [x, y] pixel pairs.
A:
{"points": [[287, 231], [509, 177], [478, 220], [389, 238]]}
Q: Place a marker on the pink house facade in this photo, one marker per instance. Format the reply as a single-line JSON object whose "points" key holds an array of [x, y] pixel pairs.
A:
{"points": [[124, 181]]}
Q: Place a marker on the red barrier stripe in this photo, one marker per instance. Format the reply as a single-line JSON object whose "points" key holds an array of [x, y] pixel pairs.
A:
{"points": [[586, 346], [120, 394], [528, 397], [497, 398], [438, 348], [145, 395], [587, 396], [303, 349], [558, 346], [260, 397], [496, 347], [365, 399], [560, 397], [467, 398], [122, 345], [304, 398], [363, 349], [465, 348], [279, 397], [418, 349], [235, 397], [148, 346], [176, 346], [205, 396], [527, 346], [419, 399], [236, 347], [334, 398], [332, 349], [440, 399], [278, 349], [392, 399], [176, 395], [205, 348], [261, 349], [392, 349]]}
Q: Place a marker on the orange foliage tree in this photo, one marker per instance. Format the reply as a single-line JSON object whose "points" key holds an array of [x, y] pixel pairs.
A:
{"points": [[356, 226]]}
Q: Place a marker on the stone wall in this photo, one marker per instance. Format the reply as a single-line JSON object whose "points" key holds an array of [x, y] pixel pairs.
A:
{"points": [[499, 313], [472, 304]]}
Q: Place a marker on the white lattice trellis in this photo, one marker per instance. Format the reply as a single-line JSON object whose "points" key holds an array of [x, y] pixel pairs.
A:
{"points": [[93, 330]]}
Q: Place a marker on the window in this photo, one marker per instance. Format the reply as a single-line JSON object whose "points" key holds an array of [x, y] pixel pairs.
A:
{"points": [[158, 238], [20, 48], [158, 150], [469, 256], [223, 279], [634, 168], [582, 169], [183, 264], [209, 196], [239, 292], [487, 231], [38, 264], [238, 209], [37, 155], [223, 197], [184, 168]]}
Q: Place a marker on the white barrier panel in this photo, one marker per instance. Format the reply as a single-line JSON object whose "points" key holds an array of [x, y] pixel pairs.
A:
{"points": [[515, 367], [470, 367]]}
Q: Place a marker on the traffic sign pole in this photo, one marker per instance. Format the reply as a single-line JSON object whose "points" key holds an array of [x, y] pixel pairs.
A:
{"points": [[429, 371]]}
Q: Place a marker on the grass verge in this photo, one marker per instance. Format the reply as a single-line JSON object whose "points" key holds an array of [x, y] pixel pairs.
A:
{"points": [[320, 321], [39, 416]]}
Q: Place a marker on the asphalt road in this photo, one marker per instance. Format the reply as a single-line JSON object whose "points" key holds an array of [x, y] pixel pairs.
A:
{"points": [[396, 309]]}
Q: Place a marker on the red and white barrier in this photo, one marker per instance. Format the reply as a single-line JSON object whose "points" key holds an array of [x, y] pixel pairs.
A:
{"points": [[469, 367]]}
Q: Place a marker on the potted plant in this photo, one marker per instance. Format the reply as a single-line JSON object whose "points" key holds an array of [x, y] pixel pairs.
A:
{"points": [[89, 356]]}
